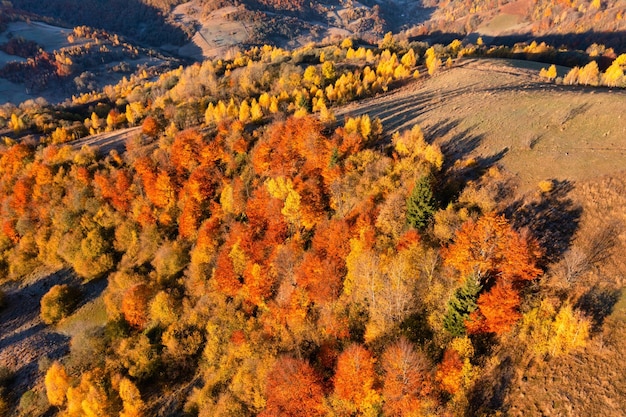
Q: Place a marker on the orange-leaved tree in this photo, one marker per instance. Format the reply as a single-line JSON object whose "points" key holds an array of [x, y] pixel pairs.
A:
{"points": [[355, 380], [490, 249], [450, 371], [407, 381], [293, 390], [135, 305], [496, 259], [497, 310]]}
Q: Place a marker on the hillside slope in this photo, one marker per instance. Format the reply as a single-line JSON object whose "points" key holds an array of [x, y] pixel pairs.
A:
{"points": [[500, 110], [549, 157]]}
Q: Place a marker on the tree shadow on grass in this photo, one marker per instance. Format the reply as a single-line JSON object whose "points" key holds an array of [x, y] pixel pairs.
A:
{"points": [[24, 339], [552, 220], [598, 304], [460, 166], [489, 391]]}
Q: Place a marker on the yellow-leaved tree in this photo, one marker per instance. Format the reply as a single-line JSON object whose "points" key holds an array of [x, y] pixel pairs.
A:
{"points": [[131, 399], [546, 331], [57, 383], [549, 74]]}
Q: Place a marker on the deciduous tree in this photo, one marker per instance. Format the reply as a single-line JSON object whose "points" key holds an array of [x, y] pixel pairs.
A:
{"points": [[407, 382], [490, 249], [293, 390], [355, 379], [56, 382]]}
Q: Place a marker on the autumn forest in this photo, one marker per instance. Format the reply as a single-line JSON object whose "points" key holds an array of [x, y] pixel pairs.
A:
{"points": [[248, 247]]}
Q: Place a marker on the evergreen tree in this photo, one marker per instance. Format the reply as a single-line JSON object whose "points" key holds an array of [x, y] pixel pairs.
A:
{"points": [[460, 306], [420, 206]]}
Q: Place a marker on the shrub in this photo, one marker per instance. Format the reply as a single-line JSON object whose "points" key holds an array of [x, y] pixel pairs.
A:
{"points": [[57, 383], [59, 303], [6, 376], [33, 403], [138, 356], [546, 186]]}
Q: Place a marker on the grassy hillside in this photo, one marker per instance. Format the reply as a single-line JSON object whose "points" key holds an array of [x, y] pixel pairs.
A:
{"points": [[576, 24], [142, 21], [54, 63]]}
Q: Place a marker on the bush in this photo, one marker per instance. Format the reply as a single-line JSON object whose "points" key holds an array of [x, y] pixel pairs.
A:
{"points": [[6, 376], [33, 403], [59, 303]]}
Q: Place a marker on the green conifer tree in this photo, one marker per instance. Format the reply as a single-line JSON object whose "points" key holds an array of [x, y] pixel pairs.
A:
{"points": [[460, 306], [420, 206]]}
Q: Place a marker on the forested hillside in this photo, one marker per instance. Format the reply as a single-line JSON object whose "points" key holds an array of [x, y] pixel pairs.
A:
{"points": [[262, 257], [142, 21]]}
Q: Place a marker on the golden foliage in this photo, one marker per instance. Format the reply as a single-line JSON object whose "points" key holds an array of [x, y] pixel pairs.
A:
{"points": [[57, 384]]}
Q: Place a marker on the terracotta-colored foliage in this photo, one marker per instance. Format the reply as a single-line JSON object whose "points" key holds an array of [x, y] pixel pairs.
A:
{"points": [[490, 249], [355, 376], [449, 371], [116, 189], [186, 150], [293, 390], [407, 381], [22, 194], [135, 305], [264, 217], [497, 310], [323, 269], [150, 127]]}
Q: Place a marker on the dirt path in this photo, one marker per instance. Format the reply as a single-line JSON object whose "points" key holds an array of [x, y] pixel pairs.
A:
{"points": [[499, 110], [108, 141]]}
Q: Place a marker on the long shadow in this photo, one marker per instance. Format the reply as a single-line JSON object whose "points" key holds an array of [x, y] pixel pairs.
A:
{"points": [[24, 333], [440, 129], [29, 371], [546, 87], [580, 41], [457, 148], [401, 113], [598, 303], [552, 220], [23, 304], [489, 392]]}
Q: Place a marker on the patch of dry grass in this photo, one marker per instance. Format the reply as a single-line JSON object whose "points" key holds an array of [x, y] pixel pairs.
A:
{"points": [[592, 381], [92, 314], [497, 110]]}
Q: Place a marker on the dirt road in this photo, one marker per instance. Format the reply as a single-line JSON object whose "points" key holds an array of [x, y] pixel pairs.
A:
{"points": [[108, 141]]}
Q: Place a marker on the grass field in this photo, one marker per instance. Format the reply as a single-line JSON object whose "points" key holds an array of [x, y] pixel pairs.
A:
{"points": [[499, 109], [92, 314], [216, 34], [49, 37], [499, 24], [11, 92]]}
